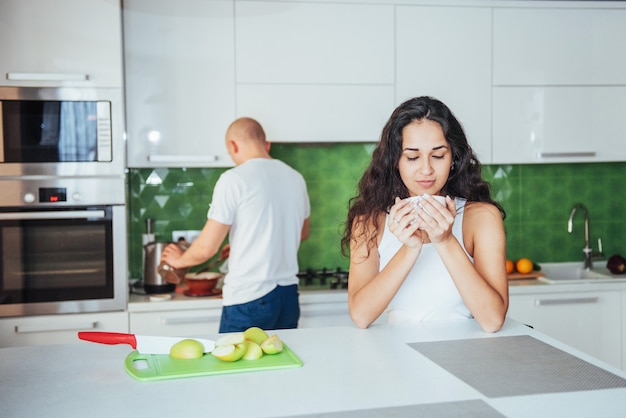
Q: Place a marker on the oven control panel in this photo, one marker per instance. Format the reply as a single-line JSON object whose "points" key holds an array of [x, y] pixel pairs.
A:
{"points": [[52, 194], [62, 192]]}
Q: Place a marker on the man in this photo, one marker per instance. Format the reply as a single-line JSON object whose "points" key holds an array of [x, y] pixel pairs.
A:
{"points": [[263, 206]]}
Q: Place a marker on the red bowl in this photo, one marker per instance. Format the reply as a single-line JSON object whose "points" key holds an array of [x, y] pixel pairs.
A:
{"points": [[202, 283]]}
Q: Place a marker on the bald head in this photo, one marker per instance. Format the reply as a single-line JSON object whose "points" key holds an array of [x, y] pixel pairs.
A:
{"points": [[246, 129], [245, 139]]}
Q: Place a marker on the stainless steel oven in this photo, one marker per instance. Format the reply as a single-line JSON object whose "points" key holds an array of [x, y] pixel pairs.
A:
{"points": [[63, 245], [61, 131]]}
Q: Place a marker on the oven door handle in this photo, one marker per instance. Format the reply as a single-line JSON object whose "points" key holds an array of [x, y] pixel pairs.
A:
{"points": [[68, 214]]}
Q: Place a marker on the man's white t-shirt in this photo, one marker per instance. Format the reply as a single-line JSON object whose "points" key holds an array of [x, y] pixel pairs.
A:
{"points": [[266, 202]]}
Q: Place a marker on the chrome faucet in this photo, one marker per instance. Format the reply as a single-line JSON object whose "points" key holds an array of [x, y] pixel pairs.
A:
{"points": [[587, 250]]}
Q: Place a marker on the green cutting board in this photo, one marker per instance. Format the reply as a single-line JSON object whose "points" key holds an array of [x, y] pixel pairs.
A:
{"points": [[146, 367]]}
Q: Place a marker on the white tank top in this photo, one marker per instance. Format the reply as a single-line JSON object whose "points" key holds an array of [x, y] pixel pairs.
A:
{"points": [[428, 292]]}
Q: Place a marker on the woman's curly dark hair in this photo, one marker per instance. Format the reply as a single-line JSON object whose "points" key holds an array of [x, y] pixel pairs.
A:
{"points": [[381, 182]]}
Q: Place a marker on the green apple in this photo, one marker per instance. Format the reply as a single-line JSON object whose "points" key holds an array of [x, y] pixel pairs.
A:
{"points": [[256, 335], [253, 351], [187, 349], [233, 338], [230, 352], [272, 345]]}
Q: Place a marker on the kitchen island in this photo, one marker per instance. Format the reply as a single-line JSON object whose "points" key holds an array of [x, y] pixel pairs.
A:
{"points": [[407, 370]]}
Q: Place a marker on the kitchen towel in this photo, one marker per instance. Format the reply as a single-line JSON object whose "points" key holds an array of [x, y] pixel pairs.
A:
{"points": [[516, 366]]}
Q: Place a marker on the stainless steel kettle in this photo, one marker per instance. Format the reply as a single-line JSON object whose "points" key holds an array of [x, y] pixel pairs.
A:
{"points": [[153, 282]]}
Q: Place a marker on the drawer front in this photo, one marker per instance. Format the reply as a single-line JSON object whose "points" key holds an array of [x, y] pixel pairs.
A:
{"points": [[197, 322]]}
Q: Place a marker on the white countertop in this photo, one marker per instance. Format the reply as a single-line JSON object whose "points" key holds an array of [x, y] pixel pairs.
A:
{"points": [[610, 282], [344, 369], [535, 286]]}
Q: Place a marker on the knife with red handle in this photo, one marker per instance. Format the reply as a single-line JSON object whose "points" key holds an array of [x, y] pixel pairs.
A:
{"points": [[142, 343]]}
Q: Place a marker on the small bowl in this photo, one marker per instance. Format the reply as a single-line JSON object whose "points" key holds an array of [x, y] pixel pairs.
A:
{"points": [[202, 283]]}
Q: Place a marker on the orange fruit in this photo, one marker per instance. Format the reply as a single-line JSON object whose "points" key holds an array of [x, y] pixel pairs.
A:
{"points": [[510, 267], [524, 265]]}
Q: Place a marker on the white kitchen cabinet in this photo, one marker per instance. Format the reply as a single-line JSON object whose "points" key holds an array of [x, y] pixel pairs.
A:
{"points": [[315, 72], [180, 91], [328, 309], [187, 316], [57, 329], [324, 314], [78, 43], [551, 124], [563, 46], [445, 52], [176, 323], [559, 77], [590, 321], [319, 43], [317, 113], [623, 329]]}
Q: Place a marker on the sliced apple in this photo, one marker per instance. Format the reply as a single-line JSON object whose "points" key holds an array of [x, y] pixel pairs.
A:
{"points": [[187, 349], [253, 352], [233, 338], [272, 345], [256, 335], [230, 352]]}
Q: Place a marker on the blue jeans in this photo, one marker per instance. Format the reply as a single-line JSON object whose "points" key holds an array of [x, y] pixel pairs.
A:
{"points": [[279, 309]]}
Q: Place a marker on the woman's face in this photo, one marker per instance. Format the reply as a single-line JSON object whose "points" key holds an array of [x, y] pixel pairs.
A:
{"points": [[426, 158]]}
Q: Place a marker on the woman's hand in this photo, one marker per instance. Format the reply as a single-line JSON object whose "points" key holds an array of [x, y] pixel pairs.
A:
{"points": [[434, 219], [403, 223]]}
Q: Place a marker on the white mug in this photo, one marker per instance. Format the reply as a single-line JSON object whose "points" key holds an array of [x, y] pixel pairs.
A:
{"points": [[417, 199]]}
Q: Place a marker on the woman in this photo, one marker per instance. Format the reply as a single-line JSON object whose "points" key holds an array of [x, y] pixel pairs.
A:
{"points": [[425, 260]]}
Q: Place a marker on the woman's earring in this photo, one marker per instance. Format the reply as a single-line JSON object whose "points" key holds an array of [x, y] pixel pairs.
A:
{"points": [[452, 166]]}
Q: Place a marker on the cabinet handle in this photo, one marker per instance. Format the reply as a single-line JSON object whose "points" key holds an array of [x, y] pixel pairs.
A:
{"points": [[24, 329], [70, 214], [182, 158], [567, 154], [47, 77], [189, 319], [543, 302]]}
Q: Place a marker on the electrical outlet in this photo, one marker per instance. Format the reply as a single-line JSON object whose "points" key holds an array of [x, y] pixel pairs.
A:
{"points": [[192, 235], [176, 235], [189, 235]]}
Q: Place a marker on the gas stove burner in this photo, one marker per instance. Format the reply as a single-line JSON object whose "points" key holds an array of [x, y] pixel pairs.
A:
{"points": [[324, 277], [307, 275]]}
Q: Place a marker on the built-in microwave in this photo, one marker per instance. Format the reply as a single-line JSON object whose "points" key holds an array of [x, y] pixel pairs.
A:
{"points": [[61, 131]]}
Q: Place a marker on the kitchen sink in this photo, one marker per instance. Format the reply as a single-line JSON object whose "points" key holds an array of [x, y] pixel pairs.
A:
{"points": [[575, 273]]}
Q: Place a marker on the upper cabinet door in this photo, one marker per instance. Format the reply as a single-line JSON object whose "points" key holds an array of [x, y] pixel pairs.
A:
{"points": [[315, 72], [293, 42], [317, 113], [445, 52], [559, 46], [47, 44], [180, 91], [555, 124]]}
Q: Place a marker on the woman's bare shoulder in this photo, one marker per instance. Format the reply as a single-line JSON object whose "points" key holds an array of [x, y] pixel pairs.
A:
{"points": [[369, 223], [481, 209], [481, 221], [366, 235], [481, 212]]}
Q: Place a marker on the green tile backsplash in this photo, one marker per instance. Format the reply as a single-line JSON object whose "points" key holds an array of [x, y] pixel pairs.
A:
{"points": [[537, 199]]}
